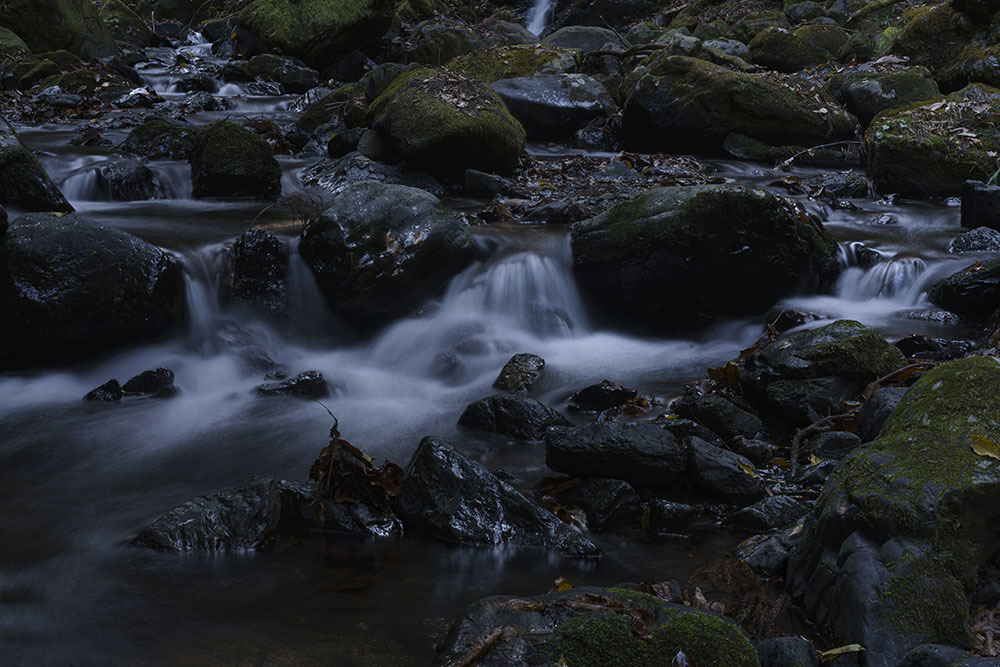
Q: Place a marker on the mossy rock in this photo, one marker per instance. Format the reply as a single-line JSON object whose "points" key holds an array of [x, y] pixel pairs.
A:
{"points": [[928, 149], [89, 82], [125, 25], [185, 11], [785, 51], [437, 43], [866, 94], [975, 64], [317, 31], [676, 258], [893, 546], [830, 38], [24, 182], [11, 46], [597, 626], [512, 62], [158, 139], [228, 160], [752, 23], [329, 108], [868, 43], [416, 10], [690, 105], [933, 36], [445, 123], [50, 25]]}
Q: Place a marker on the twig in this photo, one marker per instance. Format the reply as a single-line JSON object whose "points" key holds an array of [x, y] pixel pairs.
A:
{"points": [[920, 365], [815, 427], [785, 164]]}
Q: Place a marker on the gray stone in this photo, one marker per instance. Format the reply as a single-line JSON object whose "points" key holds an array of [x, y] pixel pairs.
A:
{"points": [[552, 106], [719, 415], [520, 374], [769, 514], [877, 409], [980, 239], [721, 473]]}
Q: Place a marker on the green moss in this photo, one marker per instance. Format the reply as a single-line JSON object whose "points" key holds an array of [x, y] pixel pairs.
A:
{"points": [[158, 138], [11, 46], [124, 24], [925, 599], [784, 51], [48, 25], [228, 160], [509, 62], [331, 107], [933, 35]]}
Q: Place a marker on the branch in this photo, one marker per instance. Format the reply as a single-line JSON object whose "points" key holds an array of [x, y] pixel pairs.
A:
{"points": [[785, 164], [869, 8], [804, 433]]}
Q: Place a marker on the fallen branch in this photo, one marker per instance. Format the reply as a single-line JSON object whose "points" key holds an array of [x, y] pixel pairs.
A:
{"points": [[786, 164], [905, 370], [869, 8]]}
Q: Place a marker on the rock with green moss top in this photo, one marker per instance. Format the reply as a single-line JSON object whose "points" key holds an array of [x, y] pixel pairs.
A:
{"points": [[785, 51], [23, 181], [380, 251], [830, 38], [50, 25], [680, 104], [317, 31], [584, 38], [436, 43], [11, 46], [185, 11], [974, 64], [753, 23], [158, 139], [929, 149], [331, 108], [675, 258], [445, 123], [891, 550], [125, 25], [603, 627], [107, 86], [30, 71], [869, 42], [510, 62], [228, 160], [867, 93], [933, 36]]}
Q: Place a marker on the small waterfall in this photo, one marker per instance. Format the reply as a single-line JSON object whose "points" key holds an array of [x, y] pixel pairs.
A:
{"points": [[307, 307], [174, 179], [81, 183], [539, 15], [893, 279], [202, 282]]}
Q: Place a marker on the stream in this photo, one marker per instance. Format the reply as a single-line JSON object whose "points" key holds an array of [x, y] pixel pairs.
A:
{"points": [[80, 479]]}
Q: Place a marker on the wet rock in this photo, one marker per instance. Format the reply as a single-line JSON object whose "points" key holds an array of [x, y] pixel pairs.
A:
{"points": [[294, 77], [159, 138], [334, 175], [872, 566], [555, 105], [980, 205], [455, 499], [227, 160], [877, 410], [721, 473], [109, 391], [608, 503], [867, 93], [918, 151], [158, 383], [938, 655], [718, 415], [626, 256], [769, 514], [298, 514], [343, 143], [816, 474], [126, 180], [768, 554], [352, 67], [23, 181], [379, 251], [516, 416], [256, 272], [4, 223], [69, 287], [594, 626], [787, 651], [54, 96], [444, 123], [196, 83], [584, 38], [689, 105], [644, 454], [665, 517], [247, 517], [138, 98], [758, 451], [52, 25], [482, 183], [849, 184], [834, 444], [316, 31], [928, 347], [520, 374], [980, 239], [805, 401], [310, 384], [600, 397], [973, 292], [378, 80]]}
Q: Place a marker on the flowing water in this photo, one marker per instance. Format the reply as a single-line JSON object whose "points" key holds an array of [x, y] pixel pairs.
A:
{"points": [[540, 15], [80, 479]]}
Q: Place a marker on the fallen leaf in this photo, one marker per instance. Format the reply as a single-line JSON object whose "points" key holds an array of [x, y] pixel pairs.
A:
{"points": [[747, 468], [814, 460], [562, 585], [984, 446], [834, 653]]}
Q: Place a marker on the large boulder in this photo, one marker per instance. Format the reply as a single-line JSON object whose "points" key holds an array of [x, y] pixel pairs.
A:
{"points": [[379, 251], [973, 292], [511, 62], [931, 148], [679, 104], [23, 181], [891, 550], [316, 31], [934, 36], [555, 105], [51, 25], [785, 51], [587, 627], [68, 287], [867, 93], [680, 256], [722, 474], [452, 498], [228, 160], [446, 123], [125, 25]]}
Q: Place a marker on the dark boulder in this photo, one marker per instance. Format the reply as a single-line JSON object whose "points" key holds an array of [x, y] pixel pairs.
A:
{"points": [[719, 415], [804, 401], [594, 626], [228, 160], [380, 251], [108, 392], [298, 514], [158, 139], [676, 257], [335, 174], [769, 514], [787, 651], [834, 444], [23, 181], [520, 374], [256, 271], [125, 179], [607, 503], [980, 205], [768, 554], [980, 239], [158, 383], [602, 396], [554, 106], [938, 655], [584, 37], [877, 410], [310, 384], [644, 454], [782, 50], [867, 93], [516, 416], [455, 499], [294, 77], [52, 25], [69, 287], [665, 517], [722, 474], [973, 292]]}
